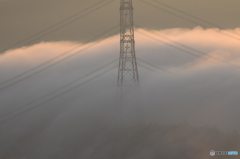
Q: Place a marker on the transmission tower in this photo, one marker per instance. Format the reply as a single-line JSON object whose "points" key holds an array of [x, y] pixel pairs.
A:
{"points": [[127, 70]]}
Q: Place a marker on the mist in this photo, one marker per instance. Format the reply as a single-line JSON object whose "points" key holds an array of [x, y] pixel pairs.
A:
{"points": [[188, 100]]}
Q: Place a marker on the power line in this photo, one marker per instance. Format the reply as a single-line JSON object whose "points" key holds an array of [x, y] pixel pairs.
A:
{"points": [[57, 96], [200, 53], [154, 66], [191, 53], [167, 11], [57, 24], [49, 62], [60, 24], [61, 88], [190, 15], [179, 16]]}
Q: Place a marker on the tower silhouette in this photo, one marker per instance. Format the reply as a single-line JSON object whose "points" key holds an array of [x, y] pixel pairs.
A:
{"points": [[127, 108], [127, 70]]}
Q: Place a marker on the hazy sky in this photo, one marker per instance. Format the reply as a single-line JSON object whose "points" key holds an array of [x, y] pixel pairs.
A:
{"points": [[23, 18]]}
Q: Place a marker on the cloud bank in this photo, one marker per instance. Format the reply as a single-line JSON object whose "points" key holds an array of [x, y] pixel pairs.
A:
{"points": [[201, 91]]}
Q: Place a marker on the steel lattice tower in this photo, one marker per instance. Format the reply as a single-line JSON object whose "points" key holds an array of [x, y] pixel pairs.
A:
{"points": [[127, 70]]}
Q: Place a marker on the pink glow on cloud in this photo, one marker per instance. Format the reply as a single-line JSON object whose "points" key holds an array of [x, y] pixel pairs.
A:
{"points": [[209, 41]]}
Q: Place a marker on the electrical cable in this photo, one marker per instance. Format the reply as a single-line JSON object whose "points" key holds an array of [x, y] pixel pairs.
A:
{"points": [[190, 15], [61, 88], [49, 62], [154, 66], [59, 25], [192, 21], [57, 96], [200, 53]]}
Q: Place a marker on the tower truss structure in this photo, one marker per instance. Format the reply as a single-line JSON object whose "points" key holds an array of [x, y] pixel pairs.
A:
{"points": [[127, 70]]}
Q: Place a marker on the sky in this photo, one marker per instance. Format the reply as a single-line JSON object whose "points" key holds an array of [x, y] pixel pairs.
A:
{"points": [[187, 99], [23, 18]]}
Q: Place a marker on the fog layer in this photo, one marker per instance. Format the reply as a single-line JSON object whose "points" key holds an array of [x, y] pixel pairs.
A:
{"points": [[189, 109]]}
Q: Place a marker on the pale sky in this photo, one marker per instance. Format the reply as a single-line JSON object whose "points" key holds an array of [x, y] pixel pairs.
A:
{"points": [[20, 19]]}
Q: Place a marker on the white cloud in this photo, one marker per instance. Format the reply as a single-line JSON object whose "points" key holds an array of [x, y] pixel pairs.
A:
{"points": [[202, 91]]}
